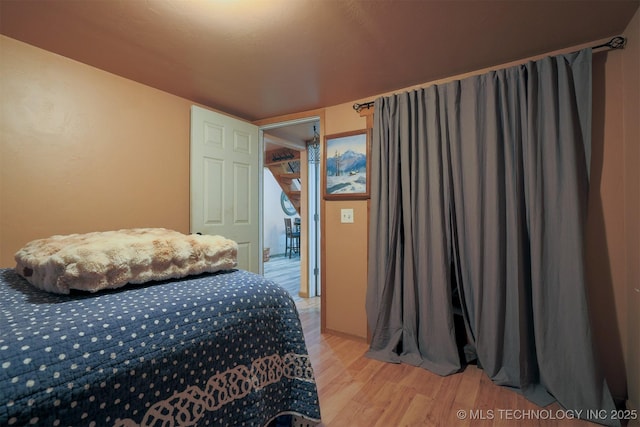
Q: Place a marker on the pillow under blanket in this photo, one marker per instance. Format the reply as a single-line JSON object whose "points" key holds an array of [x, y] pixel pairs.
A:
{"points": [[111, 259]]}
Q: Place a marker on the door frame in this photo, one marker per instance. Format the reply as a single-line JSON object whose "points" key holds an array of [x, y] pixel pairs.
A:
{"points": [[284, 121]]}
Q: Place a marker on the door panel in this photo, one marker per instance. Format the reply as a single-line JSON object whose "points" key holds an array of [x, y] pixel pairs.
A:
{"points": [[225, 183], [213, 191]]}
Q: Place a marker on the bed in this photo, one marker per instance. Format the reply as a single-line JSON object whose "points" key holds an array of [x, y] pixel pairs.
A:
{"points": [[222, 348]]}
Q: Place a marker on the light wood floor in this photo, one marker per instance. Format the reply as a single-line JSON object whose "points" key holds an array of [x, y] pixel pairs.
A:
{"points": [[355, 391], [285, 272]]}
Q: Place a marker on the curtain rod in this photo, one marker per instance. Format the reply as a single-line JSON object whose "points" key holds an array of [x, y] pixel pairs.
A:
{"points": [[617, 42]]}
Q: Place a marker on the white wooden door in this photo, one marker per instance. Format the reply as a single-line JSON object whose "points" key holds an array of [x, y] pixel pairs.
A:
{"points": [[225, 182]]}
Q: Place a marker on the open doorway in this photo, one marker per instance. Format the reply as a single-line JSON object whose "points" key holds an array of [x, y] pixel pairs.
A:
{"points": [[290, 190]]}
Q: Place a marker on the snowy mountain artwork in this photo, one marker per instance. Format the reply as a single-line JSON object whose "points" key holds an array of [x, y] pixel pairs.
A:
{"points": [[346, 165]]}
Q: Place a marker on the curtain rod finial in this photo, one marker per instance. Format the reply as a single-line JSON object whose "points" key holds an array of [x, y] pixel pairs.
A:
{"points": [[359, 107], [618, 42]]}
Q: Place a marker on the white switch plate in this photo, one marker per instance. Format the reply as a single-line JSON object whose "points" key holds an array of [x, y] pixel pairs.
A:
{"points": [[346, 215]]}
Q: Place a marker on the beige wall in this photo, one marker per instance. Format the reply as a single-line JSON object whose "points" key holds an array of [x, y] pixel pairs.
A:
{"points": [[613, 231], [84, 150], [604, 233], [344, 266], [631, 135]]}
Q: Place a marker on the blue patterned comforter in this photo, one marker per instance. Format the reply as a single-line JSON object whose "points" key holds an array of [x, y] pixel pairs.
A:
{"points": [[222, 349]]}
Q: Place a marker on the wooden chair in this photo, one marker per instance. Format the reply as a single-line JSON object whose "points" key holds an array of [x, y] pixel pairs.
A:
{"points": [[292, 236]]}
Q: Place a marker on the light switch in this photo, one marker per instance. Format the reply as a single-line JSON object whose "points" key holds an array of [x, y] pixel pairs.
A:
{"points": [[346, 215]]}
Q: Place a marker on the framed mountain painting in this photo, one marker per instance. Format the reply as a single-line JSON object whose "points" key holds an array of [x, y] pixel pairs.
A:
{"points": [[346, 165]]}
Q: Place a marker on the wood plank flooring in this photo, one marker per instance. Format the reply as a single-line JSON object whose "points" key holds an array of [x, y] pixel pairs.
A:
{"points": [[356, 391], [285, 272]]}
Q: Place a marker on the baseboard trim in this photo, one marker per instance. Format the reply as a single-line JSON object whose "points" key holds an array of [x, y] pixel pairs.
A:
{"points": [[344, 335]]}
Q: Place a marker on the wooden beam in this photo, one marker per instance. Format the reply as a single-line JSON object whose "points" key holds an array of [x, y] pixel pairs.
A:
{"points": [[289, 176]]}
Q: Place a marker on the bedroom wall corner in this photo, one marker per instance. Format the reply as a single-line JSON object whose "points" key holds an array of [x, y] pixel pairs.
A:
{"points": [[604, 228], [85, 150], [612, 230], [631, 111]]}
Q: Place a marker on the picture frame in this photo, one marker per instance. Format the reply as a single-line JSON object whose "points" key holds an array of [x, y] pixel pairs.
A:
{"points": [[346, 166]]}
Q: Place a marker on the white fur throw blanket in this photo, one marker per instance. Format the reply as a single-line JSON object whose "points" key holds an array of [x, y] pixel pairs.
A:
{"points": [[111, 259]]}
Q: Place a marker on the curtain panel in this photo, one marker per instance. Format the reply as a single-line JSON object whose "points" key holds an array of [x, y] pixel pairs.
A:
{"points": [[478, 204]]}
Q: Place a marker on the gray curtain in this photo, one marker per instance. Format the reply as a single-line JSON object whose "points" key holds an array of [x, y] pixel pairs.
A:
{"points": [[478, 203]]}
